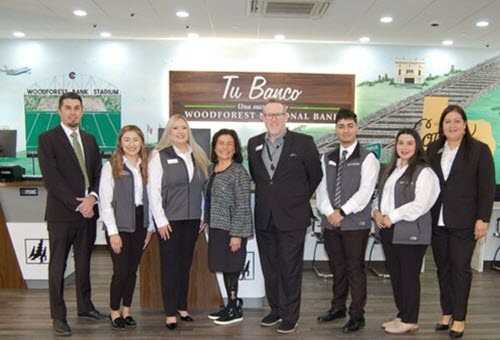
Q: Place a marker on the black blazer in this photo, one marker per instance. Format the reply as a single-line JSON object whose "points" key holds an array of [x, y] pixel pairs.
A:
{"points": [[63, 176], [287, 196], [469, 192]]}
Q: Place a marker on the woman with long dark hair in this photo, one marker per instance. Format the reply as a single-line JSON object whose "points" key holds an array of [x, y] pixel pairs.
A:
{"points": [[461, 214], [123, 206], [229, 216], [407, 192], [177, 174]]}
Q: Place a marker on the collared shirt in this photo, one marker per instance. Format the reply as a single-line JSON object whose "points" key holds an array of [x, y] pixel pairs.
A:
{"points": [[426, 192], [106, 187], [271, 153], [447, 159], [155, 177], [369, 174]]}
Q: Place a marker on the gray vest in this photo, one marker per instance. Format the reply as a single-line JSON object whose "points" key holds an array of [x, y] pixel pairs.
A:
{"points": [[181, 198], [123, 202], [351, 180], [414, 232]]}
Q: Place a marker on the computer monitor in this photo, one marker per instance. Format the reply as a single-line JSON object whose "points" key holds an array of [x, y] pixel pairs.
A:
{"points": [[8, 143]]}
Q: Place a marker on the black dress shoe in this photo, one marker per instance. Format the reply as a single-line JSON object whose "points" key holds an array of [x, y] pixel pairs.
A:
{"points": [[353, 325], [61, 327], [185, 318], [130, 321], [92, 315], [455, 335], [332, 314], [117, 323], [441, 327], [171, 326]]}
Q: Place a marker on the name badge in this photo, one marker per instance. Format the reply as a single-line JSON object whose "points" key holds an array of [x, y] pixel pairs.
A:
{"points": [[172, 161], [332, 163], [354, 164], [259, 147]]}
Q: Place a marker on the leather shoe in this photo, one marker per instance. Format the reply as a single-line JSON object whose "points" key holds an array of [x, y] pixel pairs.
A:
{"points": [[93, 314], [171, 326], [61, 327], [441, 327], [185, 318], [332, 314], [454, 334], [353, 325], [117, 323], [130, 321]]}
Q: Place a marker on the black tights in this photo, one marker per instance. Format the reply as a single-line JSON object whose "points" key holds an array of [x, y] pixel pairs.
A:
{"points": [[231, 283]]}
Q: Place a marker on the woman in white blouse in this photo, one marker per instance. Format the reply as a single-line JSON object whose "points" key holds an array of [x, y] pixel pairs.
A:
{"points": [[177, 174], [123, 208], [407, 192]]}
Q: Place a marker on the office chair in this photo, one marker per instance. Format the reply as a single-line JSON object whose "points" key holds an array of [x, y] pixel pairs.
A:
{"points": [[496, 234], [376, 241], [317, 232]]}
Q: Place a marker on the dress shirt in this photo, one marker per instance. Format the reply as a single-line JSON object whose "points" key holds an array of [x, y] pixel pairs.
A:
{"points": [[68, 133], [155, 178], [447, 159], [369, 175], [426, 192], [275, 150], [106, 188]]}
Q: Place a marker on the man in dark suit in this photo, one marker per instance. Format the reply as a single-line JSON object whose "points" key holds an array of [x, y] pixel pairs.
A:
{"points": [[286, 169], [70, 162]]}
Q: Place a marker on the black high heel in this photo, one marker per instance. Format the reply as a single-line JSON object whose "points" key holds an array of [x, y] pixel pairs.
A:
{"points": [[185, 318], [171, 326]]}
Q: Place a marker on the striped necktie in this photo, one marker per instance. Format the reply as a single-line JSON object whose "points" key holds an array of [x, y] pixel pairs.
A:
{"points": [[81, 160], [337, 201]]}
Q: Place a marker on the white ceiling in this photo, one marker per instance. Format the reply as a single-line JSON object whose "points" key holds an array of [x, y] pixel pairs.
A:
{"points": [[345, 21]]}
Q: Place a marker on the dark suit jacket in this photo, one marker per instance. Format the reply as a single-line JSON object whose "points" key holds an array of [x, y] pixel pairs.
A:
{"points": [[469, 192], [63, 176], [287, 195]]}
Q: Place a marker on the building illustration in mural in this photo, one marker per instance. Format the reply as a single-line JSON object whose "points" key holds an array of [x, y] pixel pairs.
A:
{"points": [[409, 71]]}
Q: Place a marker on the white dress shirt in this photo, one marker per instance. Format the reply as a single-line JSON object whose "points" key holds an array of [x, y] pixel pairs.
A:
{"points": [[155, 177], [358, 201], [426, 193], [106, 188], [447, 159]]}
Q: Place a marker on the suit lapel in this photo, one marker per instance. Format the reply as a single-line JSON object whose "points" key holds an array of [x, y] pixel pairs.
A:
{"points": [[86, 151], [258, 149], [459, 159], [285, 152]]}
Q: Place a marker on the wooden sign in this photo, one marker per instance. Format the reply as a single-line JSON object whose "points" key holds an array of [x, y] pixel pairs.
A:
{"points": [[240, 96]]}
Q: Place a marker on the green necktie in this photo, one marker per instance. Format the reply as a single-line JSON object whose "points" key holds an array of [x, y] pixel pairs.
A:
{"points": [[81, 160]]}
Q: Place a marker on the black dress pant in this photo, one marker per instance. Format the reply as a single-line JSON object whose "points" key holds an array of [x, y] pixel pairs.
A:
{"points": [[346, 254], [281, 257], [453, 249], [125, 263], [404, 262], [176, 255], [62, 235]]}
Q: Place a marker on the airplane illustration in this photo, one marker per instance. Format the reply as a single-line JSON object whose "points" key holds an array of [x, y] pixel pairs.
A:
{"points": [[15, 72]]}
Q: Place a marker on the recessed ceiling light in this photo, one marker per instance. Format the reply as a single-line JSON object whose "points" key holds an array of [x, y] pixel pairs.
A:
{"points": [[279, 37], [105, 34], [448, 42], [364, 39], [19, 34], [182, 14], [482, 23], [386, 20], [79, 12], [193, 35]]}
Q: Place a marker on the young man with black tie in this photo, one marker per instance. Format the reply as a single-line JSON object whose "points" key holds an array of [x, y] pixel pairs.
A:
{"points": [[343, 199], [70, 162], [286, 169]]}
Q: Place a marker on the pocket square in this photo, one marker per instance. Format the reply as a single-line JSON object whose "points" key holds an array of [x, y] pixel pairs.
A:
{"points": [[293, 155]]}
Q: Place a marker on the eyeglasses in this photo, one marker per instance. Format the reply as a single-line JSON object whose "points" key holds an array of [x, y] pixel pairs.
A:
{"points": [[273, 116]]}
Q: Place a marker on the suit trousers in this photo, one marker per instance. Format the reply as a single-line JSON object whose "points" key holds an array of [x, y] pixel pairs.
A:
{"points": [[346, 254], [452, 249], [62, 235], [125, 263], [176, 256], [281, 257], [404, 262]]}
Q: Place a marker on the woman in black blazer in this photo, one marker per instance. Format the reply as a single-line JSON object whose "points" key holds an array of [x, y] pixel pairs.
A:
{"points": [[462, 212]]}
